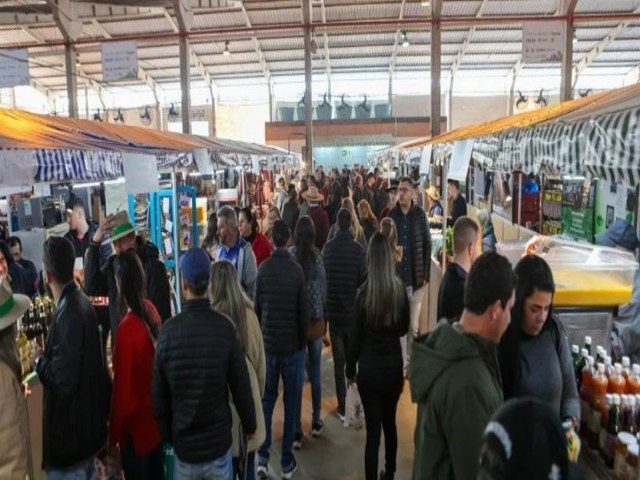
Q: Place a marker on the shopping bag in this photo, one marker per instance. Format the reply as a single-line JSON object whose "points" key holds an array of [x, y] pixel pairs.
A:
{"points": [[353, 411], [169, 461]]}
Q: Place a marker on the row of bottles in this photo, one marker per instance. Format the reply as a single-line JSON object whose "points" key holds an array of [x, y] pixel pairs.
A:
{"points": [[33, 328], [610, 407]]}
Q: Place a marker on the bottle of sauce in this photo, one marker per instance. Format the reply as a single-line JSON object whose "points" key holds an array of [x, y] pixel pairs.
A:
{"points": [[604, 423], [599, 385], [630, 419], [587, 344], [600, 354], [617, 383], [613, 428], [585, 396], [608, 366], [626, 367], [633, 383], [584, 360]]}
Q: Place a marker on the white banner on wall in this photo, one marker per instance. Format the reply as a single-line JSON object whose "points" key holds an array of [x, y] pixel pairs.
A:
{"points": [[14, 67], [542, 41], [17, 170], [460, 158], [119, 61], [140, 173]]}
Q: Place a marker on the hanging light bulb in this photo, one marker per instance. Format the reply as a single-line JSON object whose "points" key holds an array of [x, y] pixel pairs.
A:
{"points": [[405, 40], [575, 37], [226, 51]]}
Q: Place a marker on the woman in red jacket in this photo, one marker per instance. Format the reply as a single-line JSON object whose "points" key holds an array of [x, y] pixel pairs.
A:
{"points": [[132, 425], [248, 226]]}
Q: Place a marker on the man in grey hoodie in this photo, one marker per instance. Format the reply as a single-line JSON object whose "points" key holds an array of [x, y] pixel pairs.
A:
{"points": [[454, 375]]}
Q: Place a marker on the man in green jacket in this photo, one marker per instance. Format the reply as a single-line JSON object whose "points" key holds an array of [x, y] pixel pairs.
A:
{"points": [[454, 375]]}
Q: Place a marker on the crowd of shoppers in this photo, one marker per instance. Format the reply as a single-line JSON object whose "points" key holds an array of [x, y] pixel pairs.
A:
{"points": [[257, 308]]}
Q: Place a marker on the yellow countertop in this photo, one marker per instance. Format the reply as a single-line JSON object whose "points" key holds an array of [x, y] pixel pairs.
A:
{"points": [[589, 289]]}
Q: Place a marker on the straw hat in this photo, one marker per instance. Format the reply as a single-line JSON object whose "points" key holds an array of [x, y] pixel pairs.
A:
{"points": [[12, 306], [432, 193], [313, 195], [121, 226]]}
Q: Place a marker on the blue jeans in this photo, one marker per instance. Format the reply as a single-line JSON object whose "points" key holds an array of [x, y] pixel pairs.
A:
{"points": [[288, 367], [251, 466], [81, 471], [219, 469], [314, 355]]}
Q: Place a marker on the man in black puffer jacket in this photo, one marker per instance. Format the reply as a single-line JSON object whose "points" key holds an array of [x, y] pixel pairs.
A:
{"points": [[281, 306], [345, 266], [198, 361], [415, 239], [100, 281], [73, 372]]}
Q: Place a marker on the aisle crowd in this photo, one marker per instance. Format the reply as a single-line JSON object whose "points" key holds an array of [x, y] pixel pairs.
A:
{"points": [[340, 260]]}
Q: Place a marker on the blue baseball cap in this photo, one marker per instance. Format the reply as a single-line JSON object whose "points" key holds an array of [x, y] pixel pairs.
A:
{"points": [[194, 266], [619, 234]]}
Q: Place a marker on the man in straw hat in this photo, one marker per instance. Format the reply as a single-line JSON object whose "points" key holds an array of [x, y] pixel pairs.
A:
{"points": [[13, 415], [436, 212], [318, 215], [100, 281], [73, 371]]}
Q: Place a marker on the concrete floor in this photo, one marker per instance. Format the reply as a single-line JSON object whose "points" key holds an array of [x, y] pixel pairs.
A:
{"points": [[339, 453]]}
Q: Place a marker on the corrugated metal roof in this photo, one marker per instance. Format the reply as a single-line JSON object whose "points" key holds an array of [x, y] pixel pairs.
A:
{"points": [[591, 6], [520, 7], [460, 9]]}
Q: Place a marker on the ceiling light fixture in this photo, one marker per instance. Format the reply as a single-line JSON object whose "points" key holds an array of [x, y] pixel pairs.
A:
{"points": [[226, 51], [575, 37], [425, 3], [405, 40]]}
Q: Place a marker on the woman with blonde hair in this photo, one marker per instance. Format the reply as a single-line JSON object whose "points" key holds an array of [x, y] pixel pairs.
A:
{"points": [[368, 220], [228, 298], [374, 356], [388, 229], [356, 229]]}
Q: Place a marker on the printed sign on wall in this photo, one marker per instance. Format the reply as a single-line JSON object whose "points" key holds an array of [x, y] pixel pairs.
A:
{"points": [[119, 61], [14, 67]]}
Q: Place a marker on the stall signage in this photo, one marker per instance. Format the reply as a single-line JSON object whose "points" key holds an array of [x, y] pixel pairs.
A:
{"points": [[119, 61], [460, 158], [201, 156], [425, 159], [173, 160], [542, 42], [140, 173], [17, 170], [14, 67], [578, 208]]}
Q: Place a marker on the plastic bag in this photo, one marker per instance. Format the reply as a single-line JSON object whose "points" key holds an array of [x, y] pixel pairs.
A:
{"points": [[353, 411]]}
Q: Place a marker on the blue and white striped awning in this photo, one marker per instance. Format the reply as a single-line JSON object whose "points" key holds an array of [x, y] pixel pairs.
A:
{"points": [[604, 146], [61, 165]]}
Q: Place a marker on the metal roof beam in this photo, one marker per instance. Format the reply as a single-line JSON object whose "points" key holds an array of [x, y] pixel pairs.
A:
{"points": [[465, 44], [256, 46], [396, 44], [600, 47]]}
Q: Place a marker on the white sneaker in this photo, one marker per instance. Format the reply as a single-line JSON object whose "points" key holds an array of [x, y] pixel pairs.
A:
{"points": [[263, 471]]}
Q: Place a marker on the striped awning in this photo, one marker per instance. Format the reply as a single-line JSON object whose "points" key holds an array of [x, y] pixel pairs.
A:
{"points": [[61, 165], [604, 146]]}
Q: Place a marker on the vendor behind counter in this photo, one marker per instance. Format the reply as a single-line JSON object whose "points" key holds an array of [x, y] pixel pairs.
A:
{"points": [[625, 336]]}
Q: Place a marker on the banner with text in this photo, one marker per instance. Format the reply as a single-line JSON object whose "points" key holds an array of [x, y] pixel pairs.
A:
{"points": [[119, 61], [542, 42], [14, 67]]}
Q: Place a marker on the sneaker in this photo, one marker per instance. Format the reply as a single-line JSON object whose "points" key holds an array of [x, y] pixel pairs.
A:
{"points": [[288, 474], [317, 428], [263, 471], [340, 414], [386, 476], [297, 441]]}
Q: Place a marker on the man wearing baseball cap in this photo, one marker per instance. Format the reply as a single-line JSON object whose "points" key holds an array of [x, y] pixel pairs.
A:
{"points": [[198, 361]]}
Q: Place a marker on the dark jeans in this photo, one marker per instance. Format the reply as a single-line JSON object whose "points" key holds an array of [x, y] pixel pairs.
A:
{"points": [[314, 356], [339, 342], [288, 367], [145, 467], [380, 392], [251, 467]]}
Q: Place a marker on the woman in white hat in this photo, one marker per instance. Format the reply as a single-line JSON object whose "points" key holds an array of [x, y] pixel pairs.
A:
{"points": [[436, 212], [13, 416]]}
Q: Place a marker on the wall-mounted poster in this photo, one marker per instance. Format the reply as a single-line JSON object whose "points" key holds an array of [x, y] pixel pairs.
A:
{"points": [[119, 61], [542, 41], [613, 201], [14, 67], [578, 208]]}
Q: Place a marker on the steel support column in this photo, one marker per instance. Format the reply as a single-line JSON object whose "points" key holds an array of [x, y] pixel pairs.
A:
{"points": [[436, 67], [271, 105], [308, 78], [214, 120], [72, 79], [566, 72], [185, 83]]}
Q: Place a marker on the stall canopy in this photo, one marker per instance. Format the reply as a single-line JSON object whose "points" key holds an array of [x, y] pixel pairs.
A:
{"points": [[71, 149], [598, 135]]}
